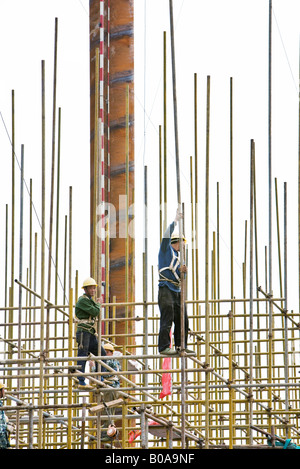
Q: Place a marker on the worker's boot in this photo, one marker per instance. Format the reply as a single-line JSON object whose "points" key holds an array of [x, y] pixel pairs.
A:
{"points": [[186, 350], [83, 385], [168, 351]]}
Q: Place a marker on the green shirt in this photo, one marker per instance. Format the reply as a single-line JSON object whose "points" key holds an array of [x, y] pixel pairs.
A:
{"points": [[87, 310]]}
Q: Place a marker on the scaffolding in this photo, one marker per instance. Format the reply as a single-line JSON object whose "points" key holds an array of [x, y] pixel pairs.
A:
{"points": [[239, 389], [49, 411]]}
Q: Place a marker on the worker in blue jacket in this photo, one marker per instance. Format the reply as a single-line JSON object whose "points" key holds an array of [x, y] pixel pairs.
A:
{"points": [[169, 294]]}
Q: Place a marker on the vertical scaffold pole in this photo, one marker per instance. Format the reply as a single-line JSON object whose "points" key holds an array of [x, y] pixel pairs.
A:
{"points": [[42, 333], [207, 305], [11, 289], [145, 273], [21, 279], [53, 162], [183, 359], [251, 365], [270, 145], [286, 333], [270, 305], [70, 353], [196, 182], [13, 193], [52, 182], [299, 183], [231, 371], [165, 133]]}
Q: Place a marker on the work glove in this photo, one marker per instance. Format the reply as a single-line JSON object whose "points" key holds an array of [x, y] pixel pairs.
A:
{"points": [[10, 428], [178, 216]]}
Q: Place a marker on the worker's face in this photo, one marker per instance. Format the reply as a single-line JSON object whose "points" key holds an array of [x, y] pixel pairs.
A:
{"points": [[176, 246], [2, 393], [90, 290], [109, 352]]}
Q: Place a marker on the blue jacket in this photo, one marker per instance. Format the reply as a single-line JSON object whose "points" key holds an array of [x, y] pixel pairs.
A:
{"points": [[168, 263]]}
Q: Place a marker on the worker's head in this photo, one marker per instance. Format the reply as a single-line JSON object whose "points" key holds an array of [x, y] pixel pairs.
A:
{"points": [[2, 390], [89, 285], [175, 242], [109, 349]]}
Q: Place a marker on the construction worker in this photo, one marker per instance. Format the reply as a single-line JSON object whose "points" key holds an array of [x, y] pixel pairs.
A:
{"points": [[4, 441], [169, 294], [113, 381], [87, 311]]}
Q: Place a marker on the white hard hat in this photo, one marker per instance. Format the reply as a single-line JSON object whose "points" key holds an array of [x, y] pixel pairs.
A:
{"points": [[175, 237]]}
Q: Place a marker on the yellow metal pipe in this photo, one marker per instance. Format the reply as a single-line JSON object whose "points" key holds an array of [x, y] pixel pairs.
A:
{"points": [[42, 332], [207, 308], [70, 383], [196, 183], [127, 208]]}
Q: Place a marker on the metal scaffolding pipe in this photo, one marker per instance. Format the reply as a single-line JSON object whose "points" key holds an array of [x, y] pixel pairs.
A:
{"points": [[207, 307], [43, 192], [248, 356]]}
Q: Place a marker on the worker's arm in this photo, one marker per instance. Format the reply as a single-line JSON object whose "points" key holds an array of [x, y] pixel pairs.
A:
{"points": [[167, 237]]}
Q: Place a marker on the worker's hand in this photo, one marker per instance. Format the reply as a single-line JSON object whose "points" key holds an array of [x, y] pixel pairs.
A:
{"points": [[178, 216], [10, 428], [100, 300], [92, 365], [183, 269]]}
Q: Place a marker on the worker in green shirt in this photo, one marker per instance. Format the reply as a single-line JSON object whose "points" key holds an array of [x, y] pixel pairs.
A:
{"points": [[87, 310]]}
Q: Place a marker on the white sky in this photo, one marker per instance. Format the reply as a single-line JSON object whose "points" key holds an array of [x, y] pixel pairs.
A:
{"points": [[220, 38]]}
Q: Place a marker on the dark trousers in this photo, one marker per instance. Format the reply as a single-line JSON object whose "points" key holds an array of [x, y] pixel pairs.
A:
{"points": [[170, 311], [87, 343]]}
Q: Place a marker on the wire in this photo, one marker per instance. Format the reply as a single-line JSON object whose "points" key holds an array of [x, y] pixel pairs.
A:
{"points": [[83, 7], [285, 52]]}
